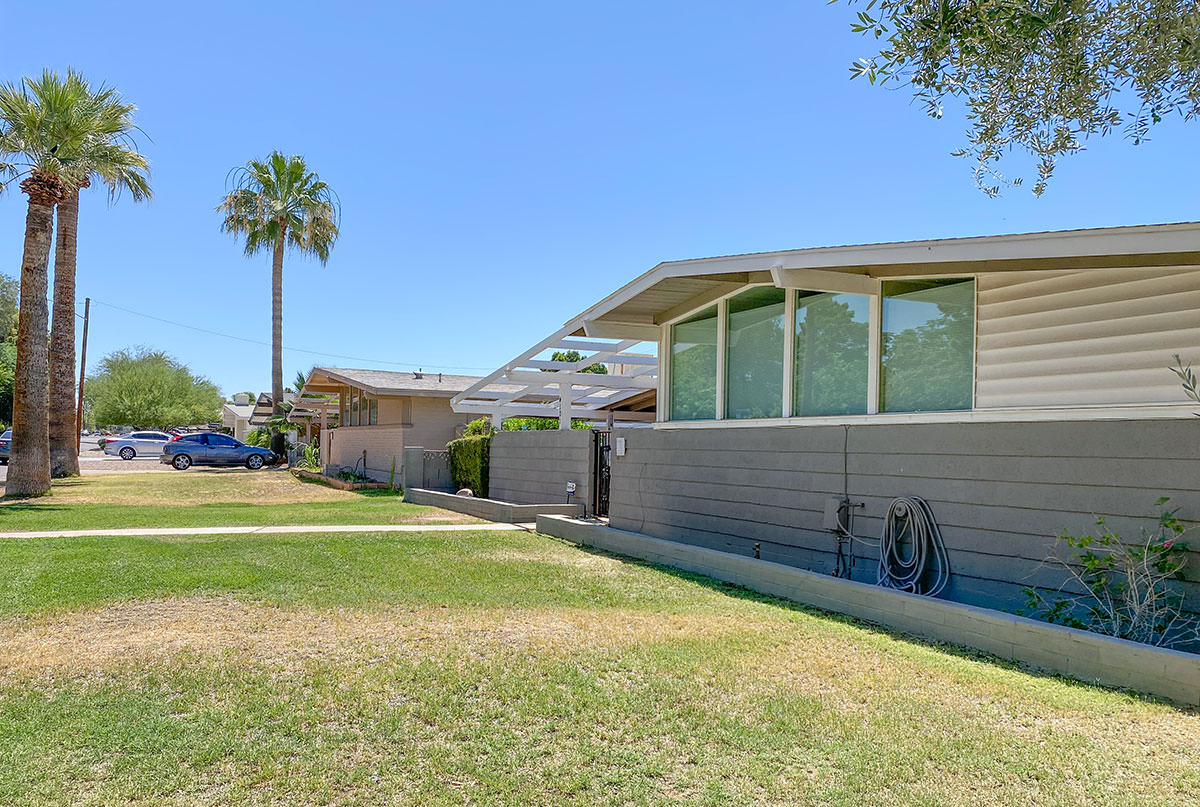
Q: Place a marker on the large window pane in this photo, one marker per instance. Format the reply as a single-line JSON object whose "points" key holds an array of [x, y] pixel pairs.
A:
{"points": [[831, 354], [928, 349], [694, 367], [754, 354]]}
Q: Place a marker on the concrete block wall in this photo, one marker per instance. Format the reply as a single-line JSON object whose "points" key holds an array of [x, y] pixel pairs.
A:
{"points": [[1000, 492], [533, 467], [1086, 656]]}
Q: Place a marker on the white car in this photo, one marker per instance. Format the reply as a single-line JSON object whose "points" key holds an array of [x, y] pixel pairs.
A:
{"points": [[135, 444]]}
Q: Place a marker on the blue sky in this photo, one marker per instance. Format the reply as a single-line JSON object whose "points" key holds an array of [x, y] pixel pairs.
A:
{"points": [[503, 166]]}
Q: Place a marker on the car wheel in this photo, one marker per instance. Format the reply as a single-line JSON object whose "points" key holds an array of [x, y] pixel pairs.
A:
{"points": [[254, 462], [127, 453], [182, 462]]}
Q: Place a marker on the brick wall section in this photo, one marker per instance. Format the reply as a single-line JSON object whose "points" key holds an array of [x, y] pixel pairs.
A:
{"points": [[533, 467], [1001, 492], [1085, 656], [382, 444]]}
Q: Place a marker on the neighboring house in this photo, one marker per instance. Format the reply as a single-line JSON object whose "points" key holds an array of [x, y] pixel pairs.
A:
{"points": [[380, 413], [1019, 383], [264, 408], [236, 416]]}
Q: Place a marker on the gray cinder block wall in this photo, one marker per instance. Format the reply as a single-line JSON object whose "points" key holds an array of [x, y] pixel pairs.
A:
{"points": [[533, 467], [1001, 492]]}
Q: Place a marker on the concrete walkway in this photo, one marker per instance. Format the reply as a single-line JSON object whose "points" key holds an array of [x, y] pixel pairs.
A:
{"points": [[271, 530]]}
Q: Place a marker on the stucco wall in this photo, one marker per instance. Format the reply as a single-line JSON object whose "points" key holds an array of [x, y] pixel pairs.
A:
{"points": [[1000, 491], [533, 467]]}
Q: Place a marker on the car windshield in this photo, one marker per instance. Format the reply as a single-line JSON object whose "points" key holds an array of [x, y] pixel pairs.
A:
{"points": [[7, 434]]}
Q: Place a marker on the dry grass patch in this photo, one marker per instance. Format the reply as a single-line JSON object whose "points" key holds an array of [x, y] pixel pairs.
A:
{"points": [[158, 630], [191, 488]]}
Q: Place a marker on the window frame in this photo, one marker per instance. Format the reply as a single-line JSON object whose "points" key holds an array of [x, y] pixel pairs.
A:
{"points": [[874, 351]]}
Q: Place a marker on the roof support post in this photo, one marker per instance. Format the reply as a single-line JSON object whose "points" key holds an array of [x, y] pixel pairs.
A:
{"points": [[564, 405]]}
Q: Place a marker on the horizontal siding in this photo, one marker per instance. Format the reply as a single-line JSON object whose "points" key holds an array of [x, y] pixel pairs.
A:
{"points": [[383, 444], [1084, 338], [533, 467], [1001, 492]]}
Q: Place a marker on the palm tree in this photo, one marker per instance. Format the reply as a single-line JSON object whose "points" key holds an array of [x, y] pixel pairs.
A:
{"points": [[278, 203], [109, 155], [43, 123]]}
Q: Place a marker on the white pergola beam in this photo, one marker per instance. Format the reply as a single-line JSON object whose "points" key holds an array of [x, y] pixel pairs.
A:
{"points": [[532, 377], [606, 329]]}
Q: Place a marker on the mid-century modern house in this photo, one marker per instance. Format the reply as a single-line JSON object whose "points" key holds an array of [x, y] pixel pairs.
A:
{"points": [[1020, 384], [380, 412]]}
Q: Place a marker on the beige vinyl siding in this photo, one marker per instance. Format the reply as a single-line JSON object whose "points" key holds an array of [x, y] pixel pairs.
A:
{"points": [[1084, 338]]}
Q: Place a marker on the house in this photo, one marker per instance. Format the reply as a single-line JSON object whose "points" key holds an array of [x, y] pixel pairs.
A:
{"points": [[381, 412], [1020, 384], [235, 416]]}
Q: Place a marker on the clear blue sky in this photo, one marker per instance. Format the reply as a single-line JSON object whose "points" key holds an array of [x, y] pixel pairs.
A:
{"points": [[501, 166]]}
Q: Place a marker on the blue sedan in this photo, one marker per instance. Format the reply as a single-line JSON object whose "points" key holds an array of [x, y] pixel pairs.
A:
{"points": [[5, 446], [211, 448]]}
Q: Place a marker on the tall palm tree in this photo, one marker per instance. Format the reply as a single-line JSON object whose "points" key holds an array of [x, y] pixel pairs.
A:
{"points": [[278, 203], [43, 122], [110, 156]]}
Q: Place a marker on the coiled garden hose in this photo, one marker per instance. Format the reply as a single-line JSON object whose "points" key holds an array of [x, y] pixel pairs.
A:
{"points": [[909, 520]]}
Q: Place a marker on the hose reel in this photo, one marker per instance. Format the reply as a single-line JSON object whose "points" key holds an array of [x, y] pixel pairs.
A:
{"points": [[910, 546]]}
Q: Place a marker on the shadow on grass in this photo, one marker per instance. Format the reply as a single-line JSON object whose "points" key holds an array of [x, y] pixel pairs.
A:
{"points": [[959, 651]]}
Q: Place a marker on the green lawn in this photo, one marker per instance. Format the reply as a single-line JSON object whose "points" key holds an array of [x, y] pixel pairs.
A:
{"points": [[476, 668], [218, 498]]}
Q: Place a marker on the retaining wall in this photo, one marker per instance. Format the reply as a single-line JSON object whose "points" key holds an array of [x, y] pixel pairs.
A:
{"points": [[489, 509], [1086, 656]]}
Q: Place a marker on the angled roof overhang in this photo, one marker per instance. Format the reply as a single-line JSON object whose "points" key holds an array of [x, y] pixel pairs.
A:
{"points": [[633, 315]]}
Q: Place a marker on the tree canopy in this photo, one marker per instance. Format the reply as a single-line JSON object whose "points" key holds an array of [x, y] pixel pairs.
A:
{"points": [[146, 388], [1040, 76]]}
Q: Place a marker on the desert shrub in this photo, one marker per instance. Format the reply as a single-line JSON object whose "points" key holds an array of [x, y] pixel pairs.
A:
{"points": [[1129, 589], [469, 458], [259, 437]]}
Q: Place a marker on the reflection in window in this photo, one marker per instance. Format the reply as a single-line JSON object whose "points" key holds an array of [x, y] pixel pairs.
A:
{"points": [[374, 412], [831, 354], [694, 367], [754, 354], [928, 345]]}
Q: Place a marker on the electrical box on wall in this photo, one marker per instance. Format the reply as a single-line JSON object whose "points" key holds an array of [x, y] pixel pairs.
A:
{"points": [[619, 446]]}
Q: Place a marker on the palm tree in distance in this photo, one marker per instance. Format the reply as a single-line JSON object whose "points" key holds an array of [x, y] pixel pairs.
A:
{"points": [[278, 203], [44, 122], [109, 156]]}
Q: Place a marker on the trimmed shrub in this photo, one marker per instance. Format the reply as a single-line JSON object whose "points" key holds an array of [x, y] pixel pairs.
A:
{"points": [[469, 463]]}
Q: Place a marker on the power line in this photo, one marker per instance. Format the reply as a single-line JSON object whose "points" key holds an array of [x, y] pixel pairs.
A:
{"points": [[285, 347]]}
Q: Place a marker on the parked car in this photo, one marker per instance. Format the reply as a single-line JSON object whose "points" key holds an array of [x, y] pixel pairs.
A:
{"points": [[128, 446], [211, 448], [5, 446]]}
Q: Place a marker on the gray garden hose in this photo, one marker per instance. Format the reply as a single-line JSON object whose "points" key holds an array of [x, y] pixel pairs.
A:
{"points": [[909, 518]]}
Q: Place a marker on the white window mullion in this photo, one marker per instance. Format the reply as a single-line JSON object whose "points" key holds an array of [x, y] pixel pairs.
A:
{"points": [[722, 306], [789, 350], [663, 406], [874, 348]]}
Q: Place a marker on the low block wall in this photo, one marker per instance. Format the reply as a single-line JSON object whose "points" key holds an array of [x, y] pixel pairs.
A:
{"points": [[1001, 492], [529, 467], [490, 509], [1086, 656]]}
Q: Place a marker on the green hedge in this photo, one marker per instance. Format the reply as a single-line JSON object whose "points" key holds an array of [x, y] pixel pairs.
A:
{"points": [[469, 463]]}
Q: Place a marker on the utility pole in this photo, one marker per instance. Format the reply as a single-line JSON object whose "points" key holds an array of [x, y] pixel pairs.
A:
{"points": [[87, 311]]}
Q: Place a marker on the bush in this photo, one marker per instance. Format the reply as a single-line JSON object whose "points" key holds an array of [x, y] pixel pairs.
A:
{"points": [[479, 426], [260, 438], [469, 462], [1128, 590]]}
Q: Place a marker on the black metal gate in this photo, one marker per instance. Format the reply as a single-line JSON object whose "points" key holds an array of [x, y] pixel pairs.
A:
{"points": [[601, 460]]}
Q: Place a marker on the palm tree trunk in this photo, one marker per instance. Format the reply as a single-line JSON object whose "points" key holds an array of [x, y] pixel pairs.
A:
{"points": [[29, 465], [64, 431], [277, 441]]}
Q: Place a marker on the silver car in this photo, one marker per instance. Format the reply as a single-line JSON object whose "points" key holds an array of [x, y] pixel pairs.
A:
{"points": [[211, 448], [135, 444]]}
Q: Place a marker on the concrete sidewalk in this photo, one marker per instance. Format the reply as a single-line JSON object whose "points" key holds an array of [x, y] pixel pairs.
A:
{"points": [[270, 530]]}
